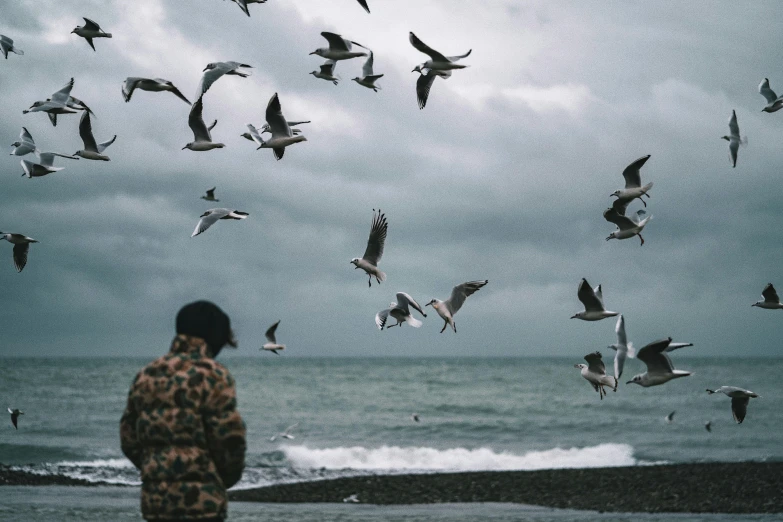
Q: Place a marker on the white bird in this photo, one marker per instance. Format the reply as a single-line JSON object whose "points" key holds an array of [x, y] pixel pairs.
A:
{"points": [[734, 139], [363, 3], [595, 373], [285, 434], [282, 135], [202, 139], [215, 70], [25, 145], [622, 347], [92, 150], [593, 300], [446, 309], [45, 164], [339, 48], [211, 216], [90, 30], [670, 417], [368, 78], [352, 499], [243, 4], [374, 251], [739, 400], [15, 413], [73, 103], [326, 72], [660, 368], [57, 104], [774, 103], [400, 311], [255, 134], [210, 195], [771, 300], [627, 227], [437, 65], [272, 344], [21, 247], [633, 183], [153, 85], [7, 46]]}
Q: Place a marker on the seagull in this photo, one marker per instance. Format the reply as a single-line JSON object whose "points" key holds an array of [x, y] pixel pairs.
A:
{"points": [[7, 46], [363, 3], [660, 369], [155, 85], [771, 300], [708, 426], [215, 70], [243, 4], [72, 103], [374, 251], [202, 139], [90, 30], [352, 499], [210, 195], [21, 247], [739, 400], [424, 84], [627, 227], [595, 373], [633, 183], [255, 134], [670, 417], [734, 139], [400, 311], [327, 72], [92, 150], [437, 65], [272, 345], [46, 165], [593, 300], [282, 135], [446, 309], [415, 417], [339, 48], [285, 434], [211, 216], [774, 103], [15, 413], [25, 145], [622, 347], [368, 78], [57, 104]]}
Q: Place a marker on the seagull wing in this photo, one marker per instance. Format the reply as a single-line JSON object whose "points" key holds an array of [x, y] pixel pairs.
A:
{"points": [[769, 294], [460, 57], [105, 144], [89, 24], [211, 192], [377, 239], [403, 300], [328, 68], [619, 329], [61, 96], [733, 127], [654, 356], [208, 220], [423, 86], [274, 117], [336, 42], [178, 94], [461, 292], [733, 149], [196, 122], [363, 3], [426, 49], [676, 346], [588, 298], [381, 317], [622, 222], [633, 177], [739, 407], [367, 67], [243, 5], [270, 333], [254, 135], [766, 92], [20, 255], [130, 85], [210, 76], [85, 132], [287, 431], [595, 364]]}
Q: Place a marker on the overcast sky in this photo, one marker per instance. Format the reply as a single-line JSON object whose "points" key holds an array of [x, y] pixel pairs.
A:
{"points": [[504, 176]]}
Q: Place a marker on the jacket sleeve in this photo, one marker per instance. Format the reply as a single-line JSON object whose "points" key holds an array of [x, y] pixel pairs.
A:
{"points": [[129, 439], [225, 430]]}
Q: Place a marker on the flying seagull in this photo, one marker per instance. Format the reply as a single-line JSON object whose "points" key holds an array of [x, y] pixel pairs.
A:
{"points": [[25, 145], [771, 300], [363, 3], [255, 134], [374, 251], [92, 150], [211, 216], [272, 345], [210, 195], [774, 103], [400, 311], [243, 4], [153, 85], [282, 135], [21, 247], [339, 48], [45, 165], [326, 72], [660, 368], [7, 46], [622, 347], [57, 104], [593, 300], [73, 103], [670, 417], [633, 183], [368, 78], [354, 498], [595, 373], [202, 139], [739, 400], [446, 309], [285, 434], [15, 413], [627, 227], [437, 65], [215, 70], [734, 139], [90, 30]]}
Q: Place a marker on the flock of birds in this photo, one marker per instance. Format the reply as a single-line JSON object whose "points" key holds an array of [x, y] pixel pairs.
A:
{"points": [[285, 133]]}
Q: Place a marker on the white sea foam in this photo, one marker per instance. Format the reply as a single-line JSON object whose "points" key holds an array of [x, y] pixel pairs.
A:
{"points": [[98, 463], [391, 458]]}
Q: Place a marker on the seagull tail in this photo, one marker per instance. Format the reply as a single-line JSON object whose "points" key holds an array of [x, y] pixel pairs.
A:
{"points": [[381, 275], [744, 141], [413, 321], [107, 35], [710, 391]]}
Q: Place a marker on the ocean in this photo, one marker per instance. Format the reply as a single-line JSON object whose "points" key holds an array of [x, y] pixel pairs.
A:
{"points": [[354, 417]]}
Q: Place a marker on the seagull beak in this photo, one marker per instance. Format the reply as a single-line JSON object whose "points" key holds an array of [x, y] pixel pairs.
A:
{"points": [[608, 238], [185, 147], [312, 53], [573, 317], [629, 382]]}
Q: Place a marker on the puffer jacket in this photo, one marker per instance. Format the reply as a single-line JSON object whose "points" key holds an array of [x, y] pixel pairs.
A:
{"points": [[182, 430]]}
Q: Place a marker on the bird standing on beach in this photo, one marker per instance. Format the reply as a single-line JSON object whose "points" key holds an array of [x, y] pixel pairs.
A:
{"points": [[734, 139], [739, 400], [774, 103], [660, 368], [90, 30], [595, 373], [771, 300], [593, 300], [272, 344], [446, 309], [622, 347], [401, 312], [15, 413], [92, 150], [7, 46], [212, 215], [374, 251]]}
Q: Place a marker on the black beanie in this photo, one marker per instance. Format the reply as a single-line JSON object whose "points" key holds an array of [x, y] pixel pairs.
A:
{"points": [[205, 320]]}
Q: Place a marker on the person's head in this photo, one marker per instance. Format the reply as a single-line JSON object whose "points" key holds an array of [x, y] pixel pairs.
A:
{"points": [[206, 320]]}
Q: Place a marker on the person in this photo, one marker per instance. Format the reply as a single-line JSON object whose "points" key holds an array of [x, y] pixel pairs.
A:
{"points": [[181, 427]]}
